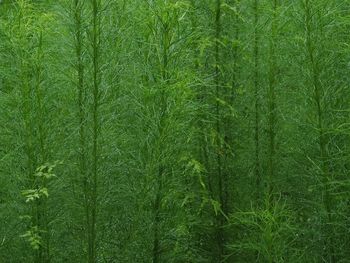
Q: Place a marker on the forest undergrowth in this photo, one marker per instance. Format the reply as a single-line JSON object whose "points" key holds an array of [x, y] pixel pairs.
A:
{"points": [[175, 131]]}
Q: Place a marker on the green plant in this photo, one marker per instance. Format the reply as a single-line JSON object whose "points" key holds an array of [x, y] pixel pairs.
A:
{"points": [[269, 234], [37, 234]]}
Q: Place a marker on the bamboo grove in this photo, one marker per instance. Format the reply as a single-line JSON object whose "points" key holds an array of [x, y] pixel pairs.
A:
{"points": [[176, 131]]}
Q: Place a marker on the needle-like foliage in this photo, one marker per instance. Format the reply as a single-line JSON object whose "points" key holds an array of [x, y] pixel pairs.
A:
{"points": [[174, 131]]}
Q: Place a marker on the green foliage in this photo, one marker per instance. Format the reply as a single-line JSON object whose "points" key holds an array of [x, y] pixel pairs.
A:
{"points": [[270, 233], [46, 171], [33, 237], [32, 195], [191, 131]]}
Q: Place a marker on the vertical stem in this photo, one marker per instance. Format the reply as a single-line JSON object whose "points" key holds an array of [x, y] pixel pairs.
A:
{"points": [[165, 42], [38, 95], [81, 93], [157, 204], [80, 84], [28, 114], [220, 234], [41, 203], [217, 89], [322, 140], [95, 116], [272, 103], [228, 124], [257, 98]]}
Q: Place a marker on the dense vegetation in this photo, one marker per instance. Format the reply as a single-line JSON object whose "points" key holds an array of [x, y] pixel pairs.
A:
{"points": [[179, 131]]}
